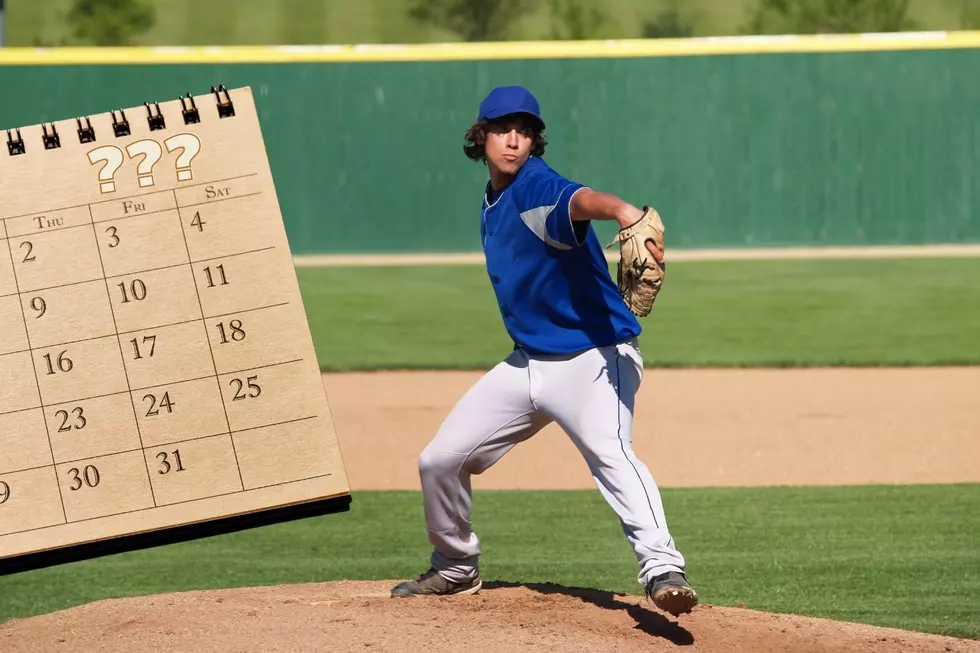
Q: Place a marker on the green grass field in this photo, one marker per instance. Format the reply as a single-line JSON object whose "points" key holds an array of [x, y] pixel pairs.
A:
{"points": [[884, 555], [746, 313], [258, 22], [900, 556]]}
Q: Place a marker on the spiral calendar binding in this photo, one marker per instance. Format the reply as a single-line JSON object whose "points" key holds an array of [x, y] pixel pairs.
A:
{"points": [[51, 140], [120, 127], [155, 122], [225, 107], [85, 134], [15, 146], [190, 112]]}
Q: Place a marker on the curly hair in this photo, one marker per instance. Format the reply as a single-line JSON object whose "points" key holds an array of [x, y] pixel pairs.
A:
{"points": [[476, 137]]}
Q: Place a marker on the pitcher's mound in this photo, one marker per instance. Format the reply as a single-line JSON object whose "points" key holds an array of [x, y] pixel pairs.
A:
{"points": [[360, 616]]}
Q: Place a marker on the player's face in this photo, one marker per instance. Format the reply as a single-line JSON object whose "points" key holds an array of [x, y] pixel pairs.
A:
{"points": [[508, 144]]}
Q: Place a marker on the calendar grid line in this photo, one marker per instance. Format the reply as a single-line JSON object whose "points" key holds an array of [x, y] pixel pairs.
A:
{"points": [[163, 445], [37, 385], [183, 440], [208, 317], [160, 385], [251, 251], [215, 201], [266, 426], [48, 230], [178, 503], [129, 391], [162, 267], [218, 181], [60, 286], [141, 214], [169, 443], [132, 197], [102, 396], [247, 310], [62, 344], [27, 469], [158, 326], [298, 480], [22, 410], [122, 357], [128, 274], [259, 367], [118, 199], [130, 331], [214, 364]]}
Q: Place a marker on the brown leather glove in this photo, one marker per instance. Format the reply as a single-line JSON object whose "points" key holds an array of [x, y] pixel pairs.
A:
{"points": [[639, 275]]}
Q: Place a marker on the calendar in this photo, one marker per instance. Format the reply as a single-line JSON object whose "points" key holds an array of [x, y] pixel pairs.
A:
{"points": [[157, 366]]}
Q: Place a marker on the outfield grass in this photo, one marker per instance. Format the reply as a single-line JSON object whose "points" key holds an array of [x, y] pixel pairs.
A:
{"points": [[745, 313], [901, 556]]}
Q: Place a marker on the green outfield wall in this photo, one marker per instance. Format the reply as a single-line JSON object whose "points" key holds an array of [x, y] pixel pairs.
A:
{"points": [[735, 149]]}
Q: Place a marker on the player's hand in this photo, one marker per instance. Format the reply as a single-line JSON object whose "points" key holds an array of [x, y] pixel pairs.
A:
{"points": [[628, 216], [658, 254]]}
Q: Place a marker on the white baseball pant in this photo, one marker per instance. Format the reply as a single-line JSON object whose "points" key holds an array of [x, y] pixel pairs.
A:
{"points": [[590, 395]]}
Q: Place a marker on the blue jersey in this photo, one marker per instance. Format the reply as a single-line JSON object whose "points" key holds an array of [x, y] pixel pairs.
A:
{"points": [[550, 276]]}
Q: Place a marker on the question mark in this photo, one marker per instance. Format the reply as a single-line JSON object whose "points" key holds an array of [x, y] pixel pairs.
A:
{"points": [[151, 152], [191, 145], [113, 157]]}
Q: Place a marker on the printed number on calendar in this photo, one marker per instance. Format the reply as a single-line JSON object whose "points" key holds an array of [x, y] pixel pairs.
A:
{"points": [[87, 477], [233, 332], [144, 348], [197, 222], [113, 236], [29, 254], [217, 278], [61, 364], [135, 291], [4, 492], [246, 389], [155, 406], [74, 420], [166, 466]]}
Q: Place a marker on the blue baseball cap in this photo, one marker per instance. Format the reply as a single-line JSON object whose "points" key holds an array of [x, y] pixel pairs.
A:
{"points": [[505, 100]]}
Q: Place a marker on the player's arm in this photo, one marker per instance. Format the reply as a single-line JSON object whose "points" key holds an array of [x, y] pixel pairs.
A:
{"points": [[587, 204]]}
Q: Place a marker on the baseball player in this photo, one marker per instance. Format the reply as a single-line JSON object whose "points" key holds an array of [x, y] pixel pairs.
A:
{"points": [[575, 360]]}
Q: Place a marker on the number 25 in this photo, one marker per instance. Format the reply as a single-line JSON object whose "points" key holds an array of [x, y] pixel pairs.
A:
{"points": [[253, 387]]}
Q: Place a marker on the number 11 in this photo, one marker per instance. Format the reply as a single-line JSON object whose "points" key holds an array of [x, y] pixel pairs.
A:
{"points": [[221, 273]]}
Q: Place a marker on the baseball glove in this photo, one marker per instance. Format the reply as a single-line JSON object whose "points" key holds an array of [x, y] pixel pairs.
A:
{"points": [[638, 274]]}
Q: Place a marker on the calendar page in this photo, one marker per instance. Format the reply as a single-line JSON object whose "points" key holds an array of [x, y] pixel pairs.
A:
{"points": [[156, 362]]}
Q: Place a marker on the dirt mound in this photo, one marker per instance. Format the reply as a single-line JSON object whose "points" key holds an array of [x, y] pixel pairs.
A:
{"points": [[349, 616]]}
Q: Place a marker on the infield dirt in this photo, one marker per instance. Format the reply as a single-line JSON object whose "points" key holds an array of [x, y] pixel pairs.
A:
{"points": [[697, 427], [360, 616]]}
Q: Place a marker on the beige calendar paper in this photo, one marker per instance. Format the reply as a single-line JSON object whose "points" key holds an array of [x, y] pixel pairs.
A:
{"points": [[157, 365]]}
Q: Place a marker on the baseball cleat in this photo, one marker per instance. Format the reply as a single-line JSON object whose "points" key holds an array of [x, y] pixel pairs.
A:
{"points": [[671, 593], [432, 582]]}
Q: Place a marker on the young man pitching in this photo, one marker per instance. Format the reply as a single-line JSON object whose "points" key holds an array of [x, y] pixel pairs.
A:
{"points": [[575, 360]]}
